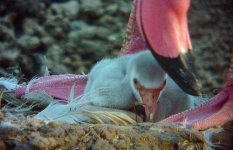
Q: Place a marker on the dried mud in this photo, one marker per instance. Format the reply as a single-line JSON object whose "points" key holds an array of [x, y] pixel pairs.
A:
{"points": [[27, 133]]}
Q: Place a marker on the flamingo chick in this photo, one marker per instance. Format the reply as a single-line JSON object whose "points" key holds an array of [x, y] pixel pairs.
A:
{"points": [[126, 81]]}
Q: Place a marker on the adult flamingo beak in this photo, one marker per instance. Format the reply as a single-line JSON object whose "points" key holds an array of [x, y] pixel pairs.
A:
{"points": [[163, 24]]}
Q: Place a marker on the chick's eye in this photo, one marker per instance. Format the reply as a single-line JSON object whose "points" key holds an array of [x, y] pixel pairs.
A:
{"points": [[135, 81]]}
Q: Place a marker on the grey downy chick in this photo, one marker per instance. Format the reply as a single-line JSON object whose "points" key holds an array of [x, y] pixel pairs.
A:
{"points": [[126, 81]]}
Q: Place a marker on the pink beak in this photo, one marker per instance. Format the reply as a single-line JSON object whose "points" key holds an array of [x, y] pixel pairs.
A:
{"points": [[164, 24], [150, 98]]}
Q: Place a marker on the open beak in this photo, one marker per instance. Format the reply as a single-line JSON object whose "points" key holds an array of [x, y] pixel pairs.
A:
{"points": [[150, 98], [163, 24]]}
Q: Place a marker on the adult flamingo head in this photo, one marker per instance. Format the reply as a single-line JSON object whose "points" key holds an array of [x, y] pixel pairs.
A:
{"points": [[163, 24]]}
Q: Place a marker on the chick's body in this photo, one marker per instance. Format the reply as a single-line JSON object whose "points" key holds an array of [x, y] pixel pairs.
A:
{"points": [[111, 81]]}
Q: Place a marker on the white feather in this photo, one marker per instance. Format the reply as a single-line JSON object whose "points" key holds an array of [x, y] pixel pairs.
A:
{"points": [[33, 80], [71, 96], [9, 83], [47, 72], [40, 97], [86, 114]]}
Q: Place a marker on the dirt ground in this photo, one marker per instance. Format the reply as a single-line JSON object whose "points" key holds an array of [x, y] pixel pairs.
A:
{"points": [[27, 133]]}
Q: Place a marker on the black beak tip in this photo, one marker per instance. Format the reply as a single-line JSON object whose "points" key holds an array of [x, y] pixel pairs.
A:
{"points": [[181, 72]]}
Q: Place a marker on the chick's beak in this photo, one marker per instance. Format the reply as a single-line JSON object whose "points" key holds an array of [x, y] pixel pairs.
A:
{"points": [[150, 98]]}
